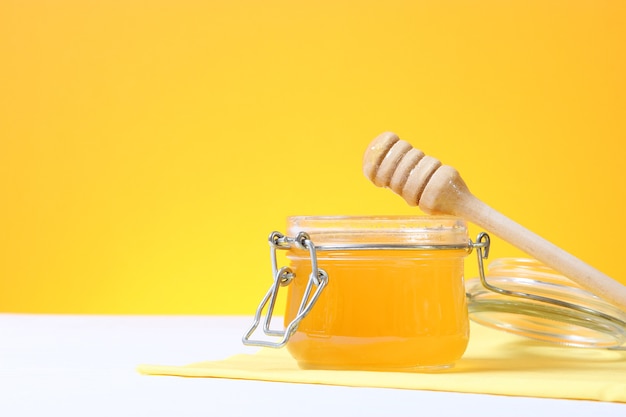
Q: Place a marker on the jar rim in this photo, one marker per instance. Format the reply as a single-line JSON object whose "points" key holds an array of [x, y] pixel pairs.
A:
{"points": [[381, 229]]}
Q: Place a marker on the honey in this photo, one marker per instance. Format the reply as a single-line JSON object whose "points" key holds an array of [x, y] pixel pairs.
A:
{"points": [[395, 297]]}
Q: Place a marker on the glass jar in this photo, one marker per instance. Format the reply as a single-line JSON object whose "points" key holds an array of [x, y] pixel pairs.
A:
{"points": [[393, 294]]}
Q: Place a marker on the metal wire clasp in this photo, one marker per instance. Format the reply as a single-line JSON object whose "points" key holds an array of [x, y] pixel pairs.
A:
{"points": [[283, 277], [318, 279], [483, 242]]}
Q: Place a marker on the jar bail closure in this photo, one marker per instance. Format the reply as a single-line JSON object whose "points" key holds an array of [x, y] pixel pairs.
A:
{"points": [[318, 279]]}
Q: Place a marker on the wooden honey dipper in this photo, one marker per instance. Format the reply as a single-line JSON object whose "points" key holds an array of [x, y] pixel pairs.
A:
{"points": [[439, 189]]}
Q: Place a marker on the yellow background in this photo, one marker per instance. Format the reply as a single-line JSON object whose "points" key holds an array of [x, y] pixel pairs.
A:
{"points": [[147, 148]]}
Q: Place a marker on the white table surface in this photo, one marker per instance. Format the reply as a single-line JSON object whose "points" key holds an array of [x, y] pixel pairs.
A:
{"points": [[85, 366]]}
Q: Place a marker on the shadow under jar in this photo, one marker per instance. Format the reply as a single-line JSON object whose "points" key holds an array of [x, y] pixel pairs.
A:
{"points": [[395, 297]]}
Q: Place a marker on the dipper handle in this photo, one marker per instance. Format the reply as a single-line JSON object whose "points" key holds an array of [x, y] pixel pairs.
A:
{"points": [[439, 189]]}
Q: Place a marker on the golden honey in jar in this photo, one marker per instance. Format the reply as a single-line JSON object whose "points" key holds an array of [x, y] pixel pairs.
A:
{"points": [[395, 297]]}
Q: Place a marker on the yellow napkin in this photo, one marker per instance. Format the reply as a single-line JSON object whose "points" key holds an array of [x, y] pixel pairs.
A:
{"points": [[494, 363]]}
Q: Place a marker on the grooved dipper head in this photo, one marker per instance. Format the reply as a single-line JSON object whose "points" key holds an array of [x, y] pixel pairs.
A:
{"points": [[420, 179]]}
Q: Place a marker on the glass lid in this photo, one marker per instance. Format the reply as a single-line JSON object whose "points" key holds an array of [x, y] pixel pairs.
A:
{"points": [[525, 297]]}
